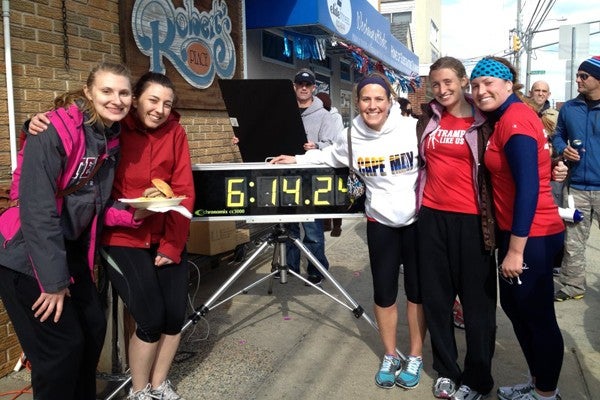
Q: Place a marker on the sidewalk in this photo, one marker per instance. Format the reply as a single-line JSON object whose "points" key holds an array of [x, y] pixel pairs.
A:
{"points": [[299, 344]]}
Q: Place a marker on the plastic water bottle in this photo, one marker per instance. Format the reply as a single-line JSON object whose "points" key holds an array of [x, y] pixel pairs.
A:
{"points": [[570, 214], [577, 144]]}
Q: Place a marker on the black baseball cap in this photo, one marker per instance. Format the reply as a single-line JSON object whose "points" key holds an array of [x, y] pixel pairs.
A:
{"points": [[305, 75]]}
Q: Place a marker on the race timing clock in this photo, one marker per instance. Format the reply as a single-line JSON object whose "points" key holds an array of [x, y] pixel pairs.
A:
{"points": [[271, 193]]}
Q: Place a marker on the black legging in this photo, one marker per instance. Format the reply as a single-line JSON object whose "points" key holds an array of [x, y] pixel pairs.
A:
{"points": [[530, 308], [155, 296], [388, 248]]}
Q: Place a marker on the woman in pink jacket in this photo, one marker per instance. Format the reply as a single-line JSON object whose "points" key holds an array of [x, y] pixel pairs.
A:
{"points": [[144, 252]]}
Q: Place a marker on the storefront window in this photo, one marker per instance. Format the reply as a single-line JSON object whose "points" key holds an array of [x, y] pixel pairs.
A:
{"points": [[345, 72], [273, 48]]}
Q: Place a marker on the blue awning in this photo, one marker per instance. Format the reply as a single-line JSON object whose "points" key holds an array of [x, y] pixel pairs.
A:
{"points": [[355, 21]]}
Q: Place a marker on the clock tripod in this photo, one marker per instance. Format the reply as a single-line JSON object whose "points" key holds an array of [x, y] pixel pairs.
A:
{"points": [[279, 238]]}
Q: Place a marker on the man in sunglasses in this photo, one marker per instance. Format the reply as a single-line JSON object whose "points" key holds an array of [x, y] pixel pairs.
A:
{"points": [[577, 139]]}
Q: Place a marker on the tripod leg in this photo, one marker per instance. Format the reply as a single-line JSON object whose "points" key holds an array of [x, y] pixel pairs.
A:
{"points": [[122, 386], [357, 309], [205, 308], [279, 265]]}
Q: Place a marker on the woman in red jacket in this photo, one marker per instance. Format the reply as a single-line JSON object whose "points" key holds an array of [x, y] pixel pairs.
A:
{"points": [[145, 257]]}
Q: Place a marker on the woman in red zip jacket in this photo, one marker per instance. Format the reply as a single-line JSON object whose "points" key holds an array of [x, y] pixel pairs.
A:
{"points": [[146, 259]]}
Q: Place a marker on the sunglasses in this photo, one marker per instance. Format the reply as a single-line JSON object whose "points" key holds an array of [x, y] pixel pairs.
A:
{"points": [[511, 281], [582, 75]]}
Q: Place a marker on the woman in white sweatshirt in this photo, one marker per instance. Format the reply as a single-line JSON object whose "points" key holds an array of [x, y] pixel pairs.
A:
{"points": [[384, 150]]}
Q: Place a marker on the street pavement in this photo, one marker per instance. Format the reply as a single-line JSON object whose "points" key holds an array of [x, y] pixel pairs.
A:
{"points": [[298, 343]]}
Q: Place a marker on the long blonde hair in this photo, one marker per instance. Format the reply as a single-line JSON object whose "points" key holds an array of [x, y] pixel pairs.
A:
{"points": [[78, 96]]}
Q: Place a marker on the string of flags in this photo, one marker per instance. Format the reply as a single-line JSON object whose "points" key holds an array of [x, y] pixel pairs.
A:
{"points": [[312, 47]]}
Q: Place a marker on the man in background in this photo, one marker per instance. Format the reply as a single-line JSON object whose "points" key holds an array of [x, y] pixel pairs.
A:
{"points": [[577, 139], [334, 224], [539, 95], [320, 133]]}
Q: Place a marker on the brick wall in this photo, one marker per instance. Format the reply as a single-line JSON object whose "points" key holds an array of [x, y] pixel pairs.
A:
{"points": [[10, 350], [421, 96], [39, 75]]}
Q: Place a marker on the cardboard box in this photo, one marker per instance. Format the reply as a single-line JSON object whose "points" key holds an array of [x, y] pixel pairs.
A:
{"points": [[211, 237], [242, 236]]}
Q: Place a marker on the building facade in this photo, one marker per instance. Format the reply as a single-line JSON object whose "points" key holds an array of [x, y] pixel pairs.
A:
{"points": [[418, 22]]}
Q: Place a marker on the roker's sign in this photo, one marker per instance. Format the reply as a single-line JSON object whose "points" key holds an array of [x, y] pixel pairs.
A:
{"points": [[197, 43]]}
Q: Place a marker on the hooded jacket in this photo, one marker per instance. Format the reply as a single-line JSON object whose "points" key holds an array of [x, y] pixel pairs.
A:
{"points": [[577, 121], [476, 138], [387, 162], [50, 226], [146, 154], [319, 124]]}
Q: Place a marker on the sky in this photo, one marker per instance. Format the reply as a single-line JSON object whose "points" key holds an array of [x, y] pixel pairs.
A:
{"points": [[472, 29]]}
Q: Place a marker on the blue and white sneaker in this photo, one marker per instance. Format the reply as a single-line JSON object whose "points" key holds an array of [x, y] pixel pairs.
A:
{"points": [[385, 377], [410, 375]]}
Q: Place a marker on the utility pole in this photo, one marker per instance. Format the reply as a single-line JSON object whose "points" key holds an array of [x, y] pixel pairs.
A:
{"points": [[528, 65], [518, 33]]}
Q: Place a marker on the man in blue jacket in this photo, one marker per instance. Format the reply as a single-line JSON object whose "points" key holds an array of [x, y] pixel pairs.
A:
{"points": [[577, 139]]}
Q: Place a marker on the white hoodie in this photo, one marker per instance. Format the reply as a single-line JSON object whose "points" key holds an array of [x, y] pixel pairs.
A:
{"points": [[386, 160]]}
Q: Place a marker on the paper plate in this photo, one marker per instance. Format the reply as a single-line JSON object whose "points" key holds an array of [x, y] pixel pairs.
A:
{"points": [[146, 202]]}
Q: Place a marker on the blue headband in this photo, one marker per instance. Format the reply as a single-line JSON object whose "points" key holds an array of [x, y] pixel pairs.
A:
{"points": [[373, 80], [493, 68]]}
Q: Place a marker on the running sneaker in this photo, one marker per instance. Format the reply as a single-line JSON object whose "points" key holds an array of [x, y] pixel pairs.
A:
{"points": [[165, 391], [512, 392], [562, 296], [466, 393], [385, 377], [315, 280], [143, 394], [409, 376], [444, 388], [532, 395]]}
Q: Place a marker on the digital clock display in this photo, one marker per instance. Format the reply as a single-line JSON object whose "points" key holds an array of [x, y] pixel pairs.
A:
{"points": [[260, 189]]}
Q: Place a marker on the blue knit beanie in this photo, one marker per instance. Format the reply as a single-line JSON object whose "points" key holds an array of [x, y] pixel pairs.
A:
{"points": [[591, 66], [493, 68]]}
